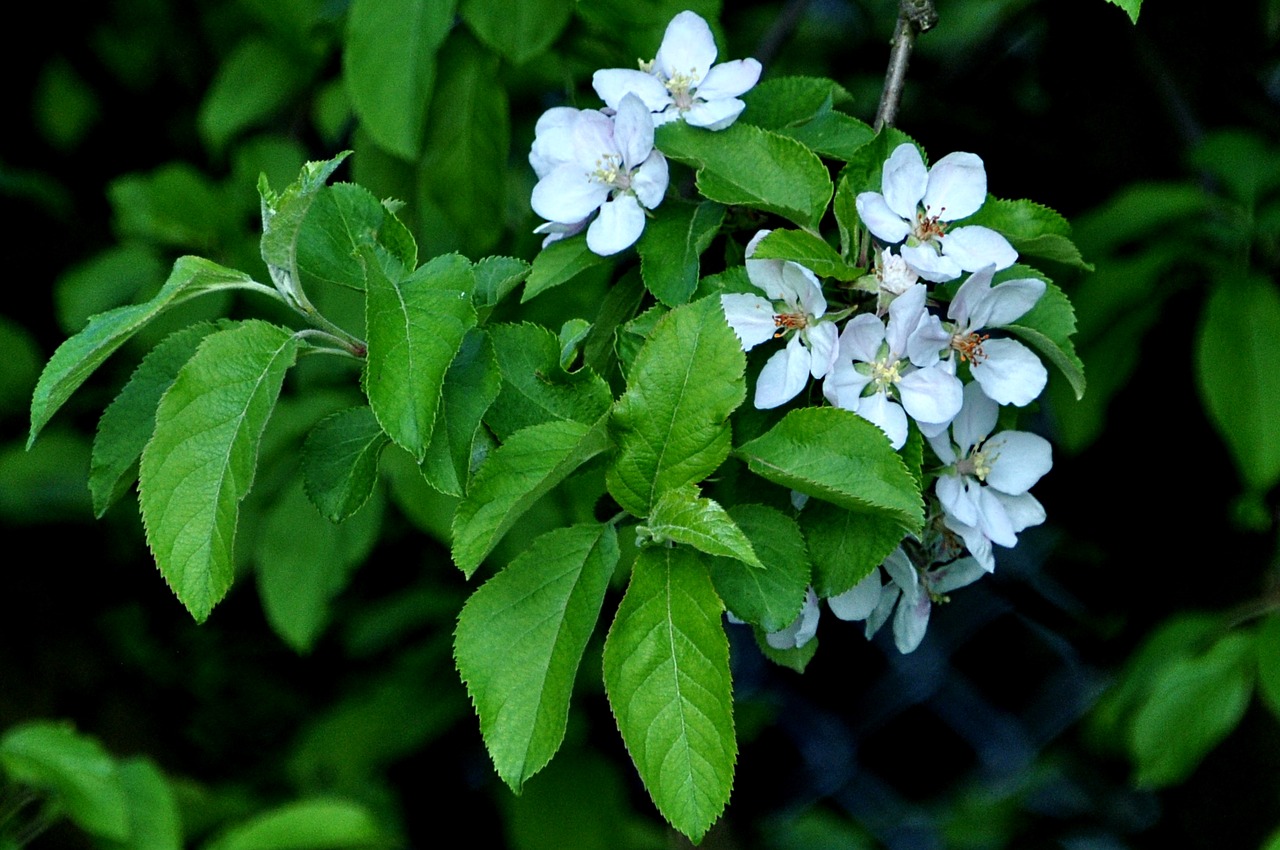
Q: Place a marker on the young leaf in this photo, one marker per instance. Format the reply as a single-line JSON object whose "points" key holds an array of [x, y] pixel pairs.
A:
{"points": [[559, 263], [342, 219], [518, 31], [535, 388], [666, 672], [520, 639], [340, 461], [837, 456], [683, 516], [80, 773], [808, 250], [747, 166], [283, 215], [415, 327], [769, 598], [470, 387], [76, 359], [515, 475], [1048, 327], [496, 277], [321, 824], [672, 424], [671, 247], [200, 464], [127, 423], [389, 67]]}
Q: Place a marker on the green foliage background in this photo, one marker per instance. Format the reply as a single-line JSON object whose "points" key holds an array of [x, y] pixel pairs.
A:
{"points": [[140, 132]]}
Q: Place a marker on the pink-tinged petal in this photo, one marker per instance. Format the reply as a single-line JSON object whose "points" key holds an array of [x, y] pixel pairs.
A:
{"points": [[844, 384], [929, 264], [687, 47], [957, 186], [714, 114], [931, 395], [619, 225], [729, 79], [957, 574], [1010, 373], [1023, 511], [650, 180], [880, 616], [613, 84], [993, 519], [887, 415], [823, 348], [976, 419], [905, 314], [859, 601], [974, 540], [553, 139], [969, 298], [1018, 460], [884, 223], [783, 377], [633, 131], [910, 624], [956, 500], [567, 194], [750, 317], [556, 230], [861, 338], [973, 247], [904, 181], [1009, 301]]}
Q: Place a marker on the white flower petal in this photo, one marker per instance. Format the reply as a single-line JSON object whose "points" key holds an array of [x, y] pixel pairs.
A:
{"points": [[888, 596], [929, 264], [633, 131], [859, 601], [750, 316], [886, 414], [903, 573], [861, 338], [1023, 511], [905, 314], [883, 222], [650, 180], [932, 395], [928, 341], [974, 540], [1010, 373], [957, 574], [803, 290], [957, 186], [844, 384], [1009, 301], [619, 225], [970, 297], [904, 181], [974, 246], [823, 346], [553, 139], [955, 499], [714, 114], [976, 419], [729, 79], [910, 623], [784, 376], [687, 47], [993, 519], [567, 194], [613, 84], [1019, 460]]}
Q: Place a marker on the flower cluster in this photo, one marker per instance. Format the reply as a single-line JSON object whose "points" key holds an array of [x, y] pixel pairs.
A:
{"points": [[591, 161], [898, 361]]}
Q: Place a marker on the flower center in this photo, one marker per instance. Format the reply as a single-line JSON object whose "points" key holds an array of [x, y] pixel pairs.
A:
{"points": [[970, 346], [885, 373], [976, 465], [789, 321], [928, 227], [610, 172], [682, 87]]}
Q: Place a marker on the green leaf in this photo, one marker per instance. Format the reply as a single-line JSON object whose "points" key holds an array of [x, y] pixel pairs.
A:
{"points": [[1200, 699], [154, 822], [518, 31], [342, 219], [340, 461], [200, 464], [255, 82], [808, 250], [779, 102], [303, 561], [76, 359], [1131, 7], [865, 170], [769, 598], [747, 166], [1141, 211], [795, 658], [1237, 348], [174, 205], [832, 134], [846, 545], [666, 672], [1048, 327], [283, 215], [114, 277], [620, 302], [672, 423], [535, 388], [559, 263], [127, 423], [75, 768], [1269, 662], [470, 387], [515, 475], [1033, 229], [415, 327], [321, 824], [389, 67], [496, 277], [671, 247], [520, 639], [684, 516], [839, 457], [464, 167]]}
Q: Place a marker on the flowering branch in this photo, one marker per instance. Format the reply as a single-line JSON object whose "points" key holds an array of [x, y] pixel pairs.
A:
{"points": [[914, 16]]}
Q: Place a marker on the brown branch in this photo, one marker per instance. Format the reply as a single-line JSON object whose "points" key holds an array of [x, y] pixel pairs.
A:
{"points": [[914, 17]]}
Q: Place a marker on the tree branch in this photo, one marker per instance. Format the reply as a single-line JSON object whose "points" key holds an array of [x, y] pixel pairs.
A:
{"points": [[914, 17]]}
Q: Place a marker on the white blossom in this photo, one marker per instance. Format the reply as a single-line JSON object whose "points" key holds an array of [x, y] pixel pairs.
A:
{"points": [[916, 205], [1007, 371], [794, 305], [680, 83], [596, 162], [801, 630], [983, 489], [874, 377]]}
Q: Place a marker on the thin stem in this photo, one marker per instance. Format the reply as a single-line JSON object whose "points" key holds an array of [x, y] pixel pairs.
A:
{"points": [[914, 16], [356, 350]]}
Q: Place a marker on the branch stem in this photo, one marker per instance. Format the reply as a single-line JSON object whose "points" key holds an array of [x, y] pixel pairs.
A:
{"points": [[914, 17]]}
